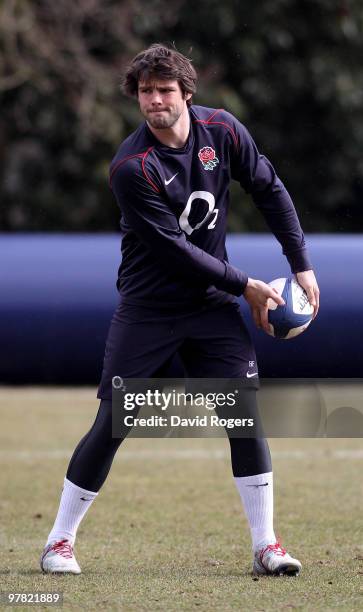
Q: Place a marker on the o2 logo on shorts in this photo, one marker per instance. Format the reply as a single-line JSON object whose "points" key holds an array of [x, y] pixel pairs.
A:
{"points": [[212, 211]]}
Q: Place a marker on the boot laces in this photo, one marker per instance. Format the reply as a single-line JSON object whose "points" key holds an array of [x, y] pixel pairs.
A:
{"points": [[275, 548], [63, 548]]}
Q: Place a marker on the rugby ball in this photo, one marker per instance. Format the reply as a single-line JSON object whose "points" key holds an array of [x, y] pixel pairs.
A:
{"points": [[293, 318]]}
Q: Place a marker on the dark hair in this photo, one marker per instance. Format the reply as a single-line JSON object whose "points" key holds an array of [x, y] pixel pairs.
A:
{"points": [[160, 62]]}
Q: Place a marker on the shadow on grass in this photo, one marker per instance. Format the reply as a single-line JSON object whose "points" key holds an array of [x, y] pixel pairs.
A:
{"points": [[146, 572], [29, 572], [176, 572], [135, 572]]}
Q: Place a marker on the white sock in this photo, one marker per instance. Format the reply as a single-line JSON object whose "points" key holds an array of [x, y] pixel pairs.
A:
{"points": [[257, 499], [73, 506]]}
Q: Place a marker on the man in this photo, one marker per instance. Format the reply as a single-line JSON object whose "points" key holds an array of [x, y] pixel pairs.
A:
{"points": [[171, 179]]}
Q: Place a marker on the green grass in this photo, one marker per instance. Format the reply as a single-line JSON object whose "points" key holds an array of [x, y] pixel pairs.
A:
{"points": [[167, 531]]}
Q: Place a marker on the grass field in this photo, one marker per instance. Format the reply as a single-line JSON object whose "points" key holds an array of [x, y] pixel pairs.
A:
{"points": [[167, 531]]}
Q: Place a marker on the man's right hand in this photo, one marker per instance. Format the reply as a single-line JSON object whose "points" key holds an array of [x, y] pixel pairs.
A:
{"points": [[256, 294]]}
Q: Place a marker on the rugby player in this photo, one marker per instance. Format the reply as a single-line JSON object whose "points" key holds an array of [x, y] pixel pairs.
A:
{"points": [[178, 292]]}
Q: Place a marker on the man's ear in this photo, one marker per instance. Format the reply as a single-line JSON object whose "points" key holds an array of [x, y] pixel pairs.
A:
{"points": [[187, 95]]}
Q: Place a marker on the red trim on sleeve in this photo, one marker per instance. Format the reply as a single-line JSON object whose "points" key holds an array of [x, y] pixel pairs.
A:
{"points": [[213, 114], [226, 125], [119, 163], [155, 187], [143, 157]]}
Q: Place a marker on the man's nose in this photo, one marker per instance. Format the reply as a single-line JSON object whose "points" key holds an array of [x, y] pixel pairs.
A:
{"points": [[156, 98]]}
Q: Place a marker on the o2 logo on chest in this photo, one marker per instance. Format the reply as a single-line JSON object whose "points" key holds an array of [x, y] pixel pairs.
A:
{"points": [[211, 212]]}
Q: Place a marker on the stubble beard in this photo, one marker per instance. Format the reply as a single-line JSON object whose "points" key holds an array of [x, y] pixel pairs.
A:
{"points": [[165, 121]]}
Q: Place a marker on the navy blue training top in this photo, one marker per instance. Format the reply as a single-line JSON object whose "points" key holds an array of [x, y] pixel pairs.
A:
{"points": [[174, 206]]}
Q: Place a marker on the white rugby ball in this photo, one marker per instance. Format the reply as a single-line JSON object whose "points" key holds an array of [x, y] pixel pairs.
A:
{"points": [[294, 317]]}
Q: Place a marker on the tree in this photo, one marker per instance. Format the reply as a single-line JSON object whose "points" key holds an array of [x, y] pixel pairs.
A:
{"points": [[290, 70]]}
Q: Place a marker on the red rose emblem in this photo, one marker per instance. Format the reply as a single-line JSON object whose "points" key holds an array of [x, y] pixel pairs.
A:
{"points": [[206, 154]]}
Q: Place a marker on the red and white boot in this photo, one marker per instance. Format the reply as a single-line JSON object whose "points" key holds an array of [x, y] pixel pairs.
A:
{"points": [[58, 558], [272, 559]]}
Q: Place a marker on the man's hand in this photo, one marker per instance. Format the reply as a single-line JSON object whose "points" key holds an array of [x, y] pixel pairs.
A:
{"points": [[308, 281], [256, 294]]}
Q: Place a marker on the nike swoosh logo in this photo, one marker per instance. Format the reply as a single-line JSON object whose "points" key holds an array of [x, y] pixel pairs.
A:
{"points": [[85, 499], [251, 375], [261, 485], [166, 182]]}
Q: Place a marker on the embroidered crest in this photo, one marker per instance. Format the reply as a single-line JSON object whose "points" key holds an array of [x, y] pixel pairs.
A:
{"points": [[208, 157]]}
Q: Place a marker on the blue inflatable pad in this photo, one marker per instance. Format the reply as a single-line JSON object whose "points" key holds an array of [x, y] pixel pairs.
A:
{"points": [[58, 293]]}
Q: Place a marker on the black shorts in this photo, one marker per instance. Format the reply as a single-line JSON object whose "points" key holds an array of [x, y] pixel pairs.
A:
{"points": [[211, 342]]}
